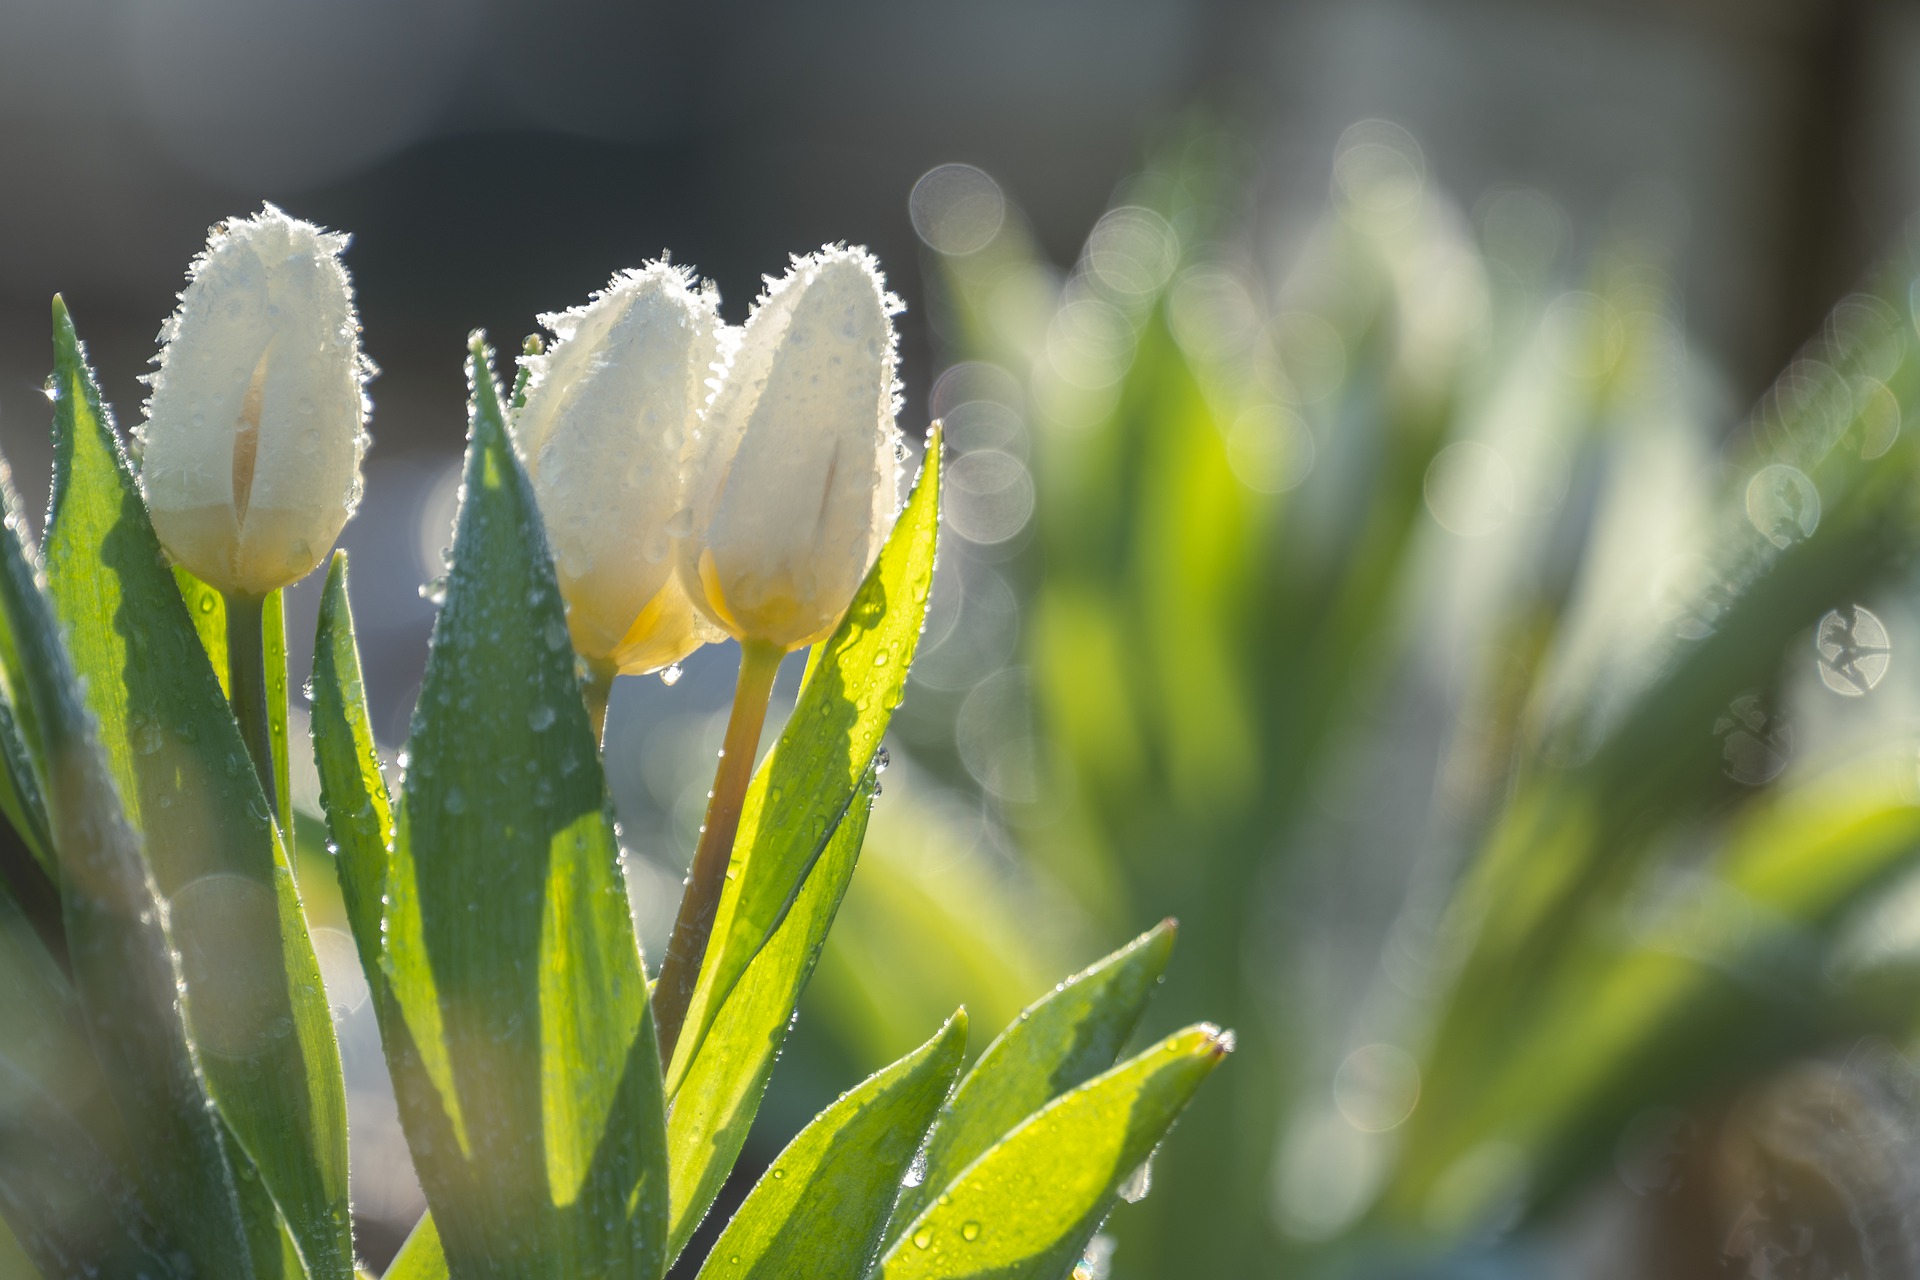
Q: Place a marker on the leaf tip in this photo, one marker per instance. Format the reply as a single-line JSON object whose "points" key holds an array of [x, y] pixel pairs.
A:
{"points": [[954, 1033], [66, 339]]}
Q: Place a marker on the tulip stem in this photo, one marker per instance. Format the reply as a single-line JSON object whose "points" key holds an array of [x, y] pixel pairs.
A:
{"points": [[597, 689], [680, 968], [247, 684]]}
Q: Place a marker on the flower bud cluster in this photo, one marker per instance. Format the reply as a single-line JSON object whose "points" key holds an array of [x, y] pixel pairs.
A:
{"points": [[696, 480], [701, 481]]}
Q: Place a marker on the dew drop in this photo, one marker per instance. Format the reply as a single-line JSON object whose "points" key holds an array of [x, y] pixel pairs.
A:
{"points": [[970, 1231], [1783, 504], [670, 675], [1854, 650], [922, 1238]]}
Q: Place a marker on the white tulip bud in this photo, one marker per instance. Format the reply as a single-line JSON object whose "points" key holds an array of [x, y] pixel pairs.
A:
{"points": [[256, 425], [609, 412], [795, 475]]}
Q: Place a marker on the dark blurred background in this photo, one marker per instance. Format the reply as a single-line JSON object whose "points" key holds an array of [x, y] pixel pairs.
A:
{"points": [[494, 161]]}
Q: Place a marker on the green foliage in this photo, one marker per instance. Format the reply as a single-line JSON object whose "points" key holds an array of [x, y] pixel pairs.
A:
{"points": [[1257, 583], [820, 1208], [259, 1014], [713, 1108], [1071, 1034], [533, 1079], [1028, 1205], [172, 1117], [126, 1004], [810, 778]]}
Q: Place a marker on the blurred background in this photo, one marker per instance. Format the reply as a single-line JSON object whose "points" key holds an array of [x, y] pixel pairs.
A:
{"points": [[1431, 509]]}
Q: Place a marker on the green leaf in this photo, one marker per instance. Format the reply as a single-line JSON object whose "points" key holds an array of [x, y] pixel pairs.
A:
{"points": [[353, 791], [71, 1209], [276, 1256], [1064, 1039], [259, 1015], [359, 816], [208, 610], [45, 1038], [1718, 982], [123, 964], [820, 1209], [420, 1258], [70, 1205], [21, 792], [809, 779], [1027, 1207], [273, 624], [714, 1107], [510, 949], [23, 764]]}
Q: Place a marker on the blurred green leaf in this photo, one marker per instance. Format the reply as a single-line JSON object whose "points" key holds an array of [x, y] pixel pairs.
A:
{"points": [[509, 947], [819, 1210], [1065, 1038], [810, 778], [1714, 979], [123, 963], [713, 1108], [71, 1209], [259, 1015], [1025, 1209], [60, 1185], [935, 919], [45, 1037]]}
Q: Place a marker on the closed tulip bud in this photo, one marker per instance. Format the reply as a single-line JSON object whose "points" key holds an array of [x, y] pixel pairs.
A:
{"points": [[794, 479], [256, 425], [608, 415]]}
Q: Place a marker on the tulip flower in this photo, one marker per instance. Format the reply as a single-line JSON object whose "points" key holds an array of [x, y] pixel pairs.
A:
{"points": [[793, 486], [256, 425], [794, 478], [609, 410], [255, 430]]}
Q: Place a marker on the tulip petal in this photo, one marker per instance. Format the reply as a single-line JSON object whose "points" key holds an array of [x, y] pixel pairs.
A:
{"points": [[795, 477], [608, 412]]}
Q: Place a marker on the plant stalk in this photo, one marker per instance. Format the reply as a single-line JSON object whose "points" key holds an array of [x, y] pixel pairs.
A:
{"points": [[247, 685], [680, 967], [598, 690]]}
